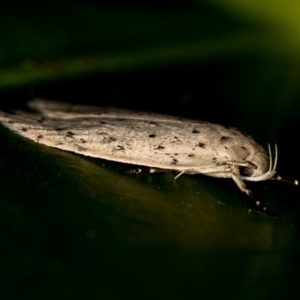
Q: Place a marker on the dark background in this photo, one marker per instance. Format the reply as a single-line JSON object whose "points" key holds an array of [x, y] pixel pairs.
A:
{"points": [[74, 227]]}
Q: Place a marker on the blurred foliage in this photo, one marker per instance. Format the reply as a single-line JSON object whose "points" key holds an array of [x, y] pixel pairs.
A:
{"points": [[59, 39], [280, 21]]}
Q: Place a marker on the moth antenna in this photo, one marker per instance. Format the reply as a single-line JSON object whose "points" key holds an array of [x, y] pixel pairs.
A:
{"points": [[178, 175], [276, 158], [270, 156], [278, 177]]}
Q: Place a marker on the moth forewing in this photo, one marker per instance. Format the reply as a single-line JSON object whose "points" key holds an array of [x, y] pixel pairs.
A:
{"points": [[158, 142]]}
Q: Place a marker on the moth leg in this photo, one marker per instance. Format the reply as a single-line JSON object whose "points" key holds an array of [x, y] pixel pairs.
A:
{"points": [[242, 186], [146, 170], [179, 174]]}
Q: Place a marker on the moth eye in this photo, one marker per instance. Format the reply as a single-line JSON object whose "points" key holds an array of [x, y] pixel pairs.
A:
{"points": [[246, 171]]}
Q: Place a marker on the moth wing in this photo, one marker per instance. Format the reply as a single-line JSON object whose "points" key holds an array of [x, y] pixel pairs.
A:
{"points": [[139, 138], [64, 110]]}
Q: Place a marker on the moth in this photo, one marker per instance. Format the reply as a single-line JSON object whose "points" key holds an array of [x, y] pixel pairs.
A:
{"points": [[158, 142]]}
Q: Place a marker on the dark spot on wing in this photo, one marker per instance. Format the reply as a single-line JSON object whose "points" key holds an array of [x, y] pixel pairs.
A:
{"points": [[59, 144], [119, 148], [201, 145], [174, 161], [160, 147], [175, 153], [24, 129], [59, 129], [226, 147], [191, 155], [225, 139], [177, 140], [70, 134], [39, 137], [108, 140], [244, 148], [152, 135], [121, 119], [82, 141], [195, 131], [10, 122], [214, 158], [102, 122]]}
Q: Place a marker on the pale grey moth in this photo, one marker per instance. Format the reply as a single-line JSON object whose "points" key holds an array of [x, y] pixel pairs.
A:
{"points": [[158, 142]]}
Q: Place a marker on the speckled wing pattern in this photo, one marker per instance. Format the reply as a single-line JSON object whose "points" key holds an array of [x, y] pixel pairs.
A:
{"points": [[138, 138]]}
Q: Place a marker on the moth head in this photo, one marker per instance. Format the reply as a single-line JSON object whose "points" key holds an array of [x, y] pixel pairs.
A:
{"points": [[261, 166]]}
